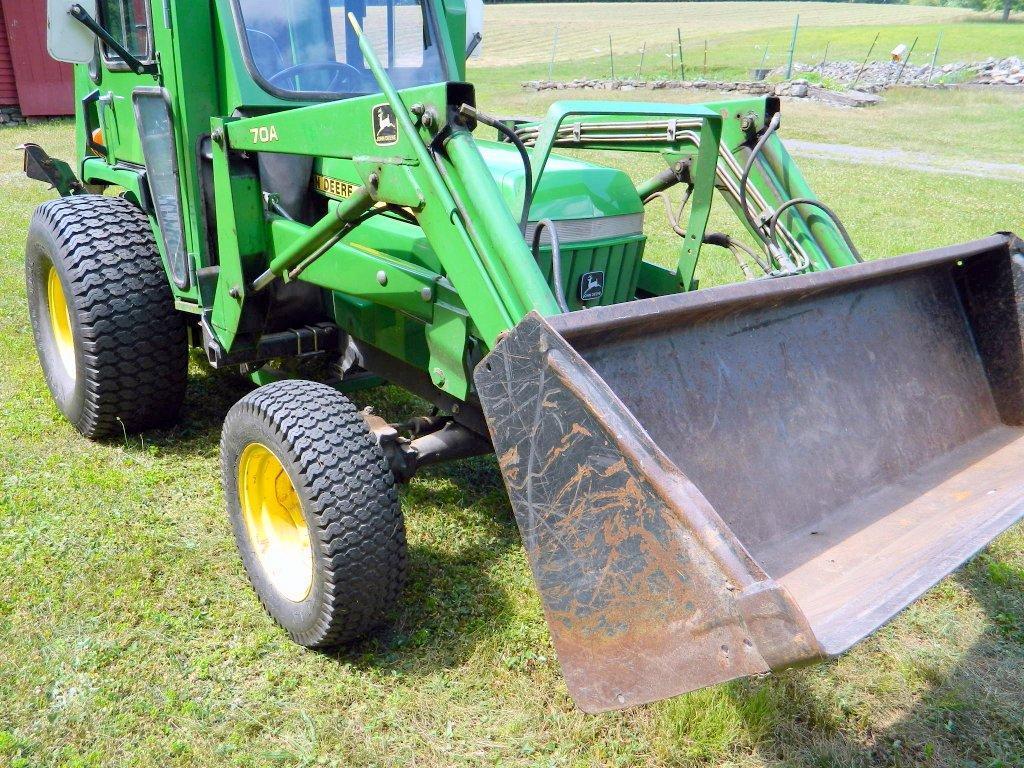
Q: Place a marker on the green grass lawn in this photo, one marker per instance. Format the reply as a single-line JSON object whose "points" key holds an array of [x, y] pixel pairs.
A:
{"points": [[129, 635]]}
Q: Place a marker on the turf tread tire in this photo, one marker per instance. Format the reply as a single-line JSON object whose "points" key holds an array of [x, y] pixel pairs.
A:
{"points": [[349, 499], [131, 343]]}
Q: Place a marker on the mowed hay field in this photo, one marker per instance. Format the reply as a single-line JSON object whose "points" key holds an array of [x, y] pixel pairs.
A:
{"points": [[129, 635]]}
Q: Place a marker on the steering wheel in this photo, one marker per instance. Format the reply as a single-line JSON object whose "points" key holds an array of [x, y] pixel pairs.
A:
{"points": [[345, 71]]}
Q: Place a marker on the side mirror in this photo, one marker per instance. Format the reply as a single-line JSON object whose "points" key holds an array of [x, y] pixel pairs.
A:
{"points": [[67, 39], [474, 26]]}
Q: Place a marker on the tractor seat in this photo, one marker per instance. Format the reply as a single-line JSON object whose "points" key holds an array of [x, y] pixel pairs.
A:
{"points": [[265, 52]]}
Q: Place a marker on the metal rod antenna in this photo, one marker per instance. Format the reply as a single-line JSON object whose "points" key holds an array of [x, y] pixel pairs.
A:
{"points": [[906, 60], [792, 47], [682, 67], [868, 56], [554, 48], [935, 56]]}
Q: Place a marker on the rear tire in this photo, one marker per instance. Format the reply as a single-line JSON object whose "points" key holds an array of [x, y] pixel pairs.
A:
{"points": [[315, 512], [113, 348]]}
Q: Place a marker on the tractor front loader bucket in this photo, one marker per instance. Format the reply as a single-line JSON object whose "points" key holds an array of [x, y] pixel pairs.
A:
{"points": [[721, 483]]}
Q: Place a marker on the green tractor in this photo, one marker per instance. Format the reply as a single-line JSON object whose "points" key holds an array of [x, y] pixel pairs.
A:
{"points": [[709, 484]]}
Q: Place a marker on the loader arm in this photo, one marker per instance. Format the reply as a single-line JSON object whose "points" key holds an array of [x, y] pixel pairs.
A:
{"points": [[406, 175]]}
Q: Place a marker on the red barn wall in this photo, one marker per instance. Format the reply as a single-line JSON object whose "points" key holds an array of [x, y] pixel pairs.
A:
{"points": [[45, 86], [8, 90]]}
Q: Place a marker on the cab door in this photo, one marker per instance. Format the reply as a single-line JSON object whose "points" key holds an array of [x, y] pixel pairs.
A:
{"points": [[130, 22], [155, 119]]}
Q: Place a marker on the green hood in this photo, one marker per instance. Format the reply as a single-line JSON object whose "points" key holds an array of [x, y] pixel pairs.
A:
{"points": [[569, 189]]}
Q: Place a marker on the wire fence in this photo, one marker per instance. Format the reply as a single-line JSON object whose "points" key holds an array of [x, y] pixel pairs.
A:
{"points": [[782, 52]]}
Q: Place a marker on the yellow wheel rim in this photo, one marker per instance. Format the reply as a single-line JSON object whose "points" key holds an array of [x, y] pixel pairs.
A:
{"points": [[273, 518], [60, 322]]}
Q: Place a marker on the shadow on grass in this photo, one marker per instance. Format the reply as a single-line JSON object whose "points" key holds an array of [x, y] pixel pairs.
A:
{"points": [[449, 608], [967, 715], [209, 397], [451, 603]]}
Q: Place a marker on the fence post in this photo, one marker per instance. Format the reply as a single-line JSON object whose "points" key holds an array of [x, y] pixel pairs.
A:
{"points": [[906, 61], [554, 47], [792, 47], [861, 70], [935, 56], [682, 67]]}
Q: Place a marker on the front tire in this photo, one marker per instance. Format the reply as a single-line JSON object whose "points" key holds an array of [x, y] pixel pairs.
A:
{"points": [[112, 347], [315, 512]]}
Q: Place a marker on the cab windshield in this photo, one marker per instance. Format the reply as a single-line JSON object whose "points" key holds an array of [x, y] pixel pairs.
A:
{"points": [[305, 48]]}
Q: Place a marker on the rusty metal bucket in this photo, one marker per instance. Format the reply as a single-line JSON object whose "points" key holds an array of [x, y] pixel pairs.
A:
{"points": [[722, 483]]}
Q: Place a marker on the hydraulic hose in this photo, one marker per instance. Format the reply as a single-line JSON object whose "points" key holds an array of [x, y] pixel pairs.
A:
{"points": [[723, 240], [774, 222], [556, 259], [513, 137], [277, 208], [673, 219], [773, 126]]}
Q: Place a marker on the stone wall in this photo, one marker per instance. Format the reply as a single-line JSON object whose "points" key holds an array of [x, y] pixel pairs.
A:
{"points": [[11, 116], [837, 79], [757, 89], [879, 75], [794, 89]]}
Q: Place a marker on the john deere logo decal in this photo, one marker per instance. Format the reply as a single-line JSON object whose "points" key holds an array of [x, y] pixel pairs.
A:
{"points": [[385, 131], [592, 286], [336, 188]]}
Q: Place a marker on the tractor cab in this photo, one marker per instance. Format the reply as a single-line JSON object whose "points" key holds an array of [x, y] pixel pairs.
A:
{"points": [[307, 49]]}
